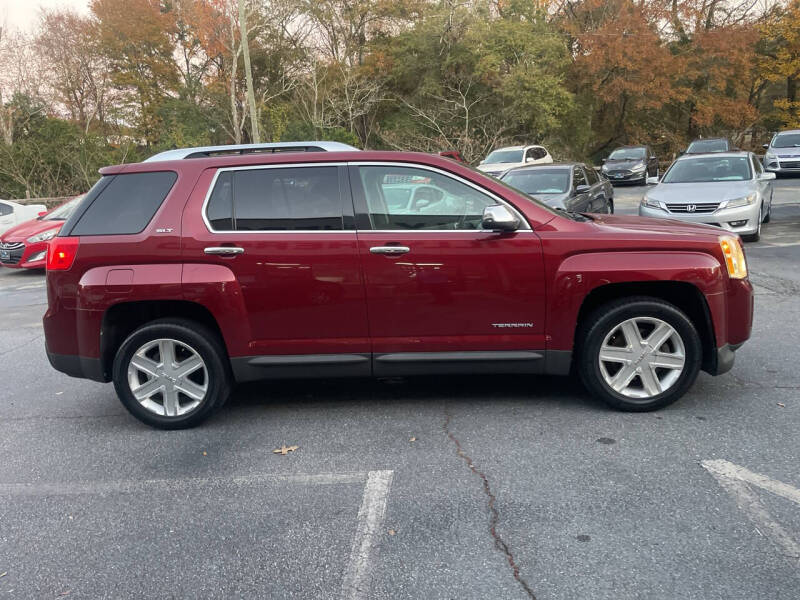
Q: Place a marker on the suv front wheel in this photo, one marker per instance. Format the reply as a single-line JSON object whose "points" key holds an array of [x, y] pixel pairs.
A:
{"points": [[171, 373], [639, 354]]}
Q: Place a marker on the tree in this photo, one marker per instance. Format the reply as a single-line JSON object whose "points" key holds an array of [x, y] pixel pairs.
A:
{"points": [[781, 59]]}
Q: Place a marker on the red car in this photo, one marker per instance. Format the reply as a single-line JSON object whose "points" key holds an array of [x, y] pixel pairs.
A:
{"points": [[176, 279], [25, 246]]}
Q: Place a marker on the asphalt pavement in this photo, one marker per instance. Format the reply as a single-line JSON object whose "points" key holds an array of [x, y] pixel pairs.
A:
{"points": [[461, 487]]}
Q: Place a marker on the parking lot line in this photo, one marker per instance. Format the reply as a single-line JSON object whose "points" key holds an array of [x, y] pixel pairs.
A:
{"points": [[134, 486], [735, 479], [356, 580]]}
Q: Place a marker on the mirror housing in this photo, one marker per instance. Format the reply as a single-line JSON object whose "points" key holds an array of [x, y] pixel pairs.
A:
{"points": [[604, 160], [499, 218], [582, 189], [765, 146], [652, 181], [42, 213], [767, 176]]}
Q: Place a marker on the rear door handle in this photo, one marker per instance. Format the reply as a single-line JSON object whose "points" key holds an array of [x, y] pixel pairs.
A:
{"points": [[390, 250], [224, 250]]}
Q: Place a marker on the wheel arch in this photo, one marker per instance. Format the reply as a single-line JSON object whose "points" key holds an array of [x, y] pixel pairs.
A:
{"points": [[685, 296], [123, 318]]}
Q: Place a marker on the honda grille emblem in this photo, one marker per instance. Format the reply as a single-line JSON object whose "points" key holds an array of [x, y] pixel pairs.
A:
{"points": [[691, 207]]}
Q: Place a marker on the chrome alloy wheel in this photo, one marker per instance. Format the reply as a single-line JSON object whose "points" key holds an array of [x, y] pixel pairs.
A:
{"points": [[168, 377], [642, 357]]}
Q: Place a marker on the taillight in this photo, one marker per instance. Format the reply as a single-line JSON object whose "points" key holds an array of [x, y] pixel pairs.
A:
{"points": [[61, 253]]}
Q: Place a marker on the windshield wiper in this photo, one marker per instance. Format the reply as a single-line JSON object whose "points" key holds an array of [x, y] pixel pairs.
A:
{"points": [[576, 216]]}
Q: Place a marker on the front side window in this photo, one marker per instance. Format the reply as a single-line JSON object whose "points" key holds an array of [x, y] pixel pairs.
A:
{"points": [[591, 175], [408, 198], [757, 168], [276, 199], [578, 178]]}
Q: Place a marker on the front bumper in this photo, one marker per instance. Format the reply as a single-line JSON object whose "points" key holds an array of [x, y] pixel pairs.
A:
{"points": [[21, 255], [789, 165], [721, 218], [624, 176]]}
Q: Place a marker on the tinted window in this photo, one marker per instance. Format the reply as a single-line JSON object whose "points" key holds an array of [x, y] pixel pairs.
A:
{"points": [[126, 204], [292, 198], [63, 212], [539, 181], [435, 201], [220, 204], [591, 175], [5, 209]]}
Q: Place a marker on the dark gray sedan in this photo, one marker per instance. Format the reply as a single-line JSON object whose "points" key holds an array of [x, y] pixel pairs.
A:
{"points": [[573, 187]]}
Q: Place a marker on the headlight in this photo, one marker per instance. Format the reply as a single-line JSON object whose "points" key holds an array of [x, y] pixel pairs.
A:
{"points": [[638, 168], [769, 156], [650, 203], [744, 201], [734, 256], [604, 168], [43, 237]]}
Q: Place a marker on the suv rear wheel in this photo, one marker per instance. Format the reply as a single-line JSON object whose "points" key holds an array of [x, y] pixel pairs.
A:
{"points": [[171, 373], [639, 354]]}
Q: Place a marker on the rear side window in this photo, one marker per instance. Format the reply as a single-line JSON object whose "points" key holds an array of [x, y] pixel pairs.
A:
{"points": [[125, 205], [276, 199], [5, 209]]}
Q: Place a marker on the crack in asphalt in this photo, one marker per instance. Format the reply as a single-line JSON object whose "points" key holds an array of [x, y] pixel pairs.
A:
{"points": [[15, 348], [499, 543]]}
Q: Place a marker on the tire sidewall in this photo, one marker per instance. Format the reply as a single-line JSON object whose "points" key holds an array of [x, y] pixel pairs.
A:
{"points": [[606, 321], [203, 342]]}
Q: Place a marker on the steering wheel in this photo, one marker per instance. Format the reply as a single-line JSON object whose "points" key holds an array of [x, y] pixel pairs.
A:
{"points": [[424, 197]]}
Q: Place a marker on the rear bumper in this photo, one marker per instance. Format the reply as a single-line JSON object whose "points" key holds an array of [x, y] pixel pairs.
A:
{"points": [[78, 366]]}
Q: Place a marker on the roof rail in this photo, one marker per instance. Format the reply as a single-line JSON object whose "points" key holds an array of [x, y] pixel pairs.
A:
{"points": [[234, 149]]}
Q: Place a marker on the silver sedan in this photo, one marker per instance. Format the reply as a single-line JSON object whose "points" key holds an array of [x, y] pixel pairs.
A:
{"points": [[729, 190]]}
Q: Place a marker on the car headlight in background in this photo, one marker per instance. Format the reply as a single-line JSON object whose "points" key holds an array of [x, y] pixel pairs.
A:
{"points": [[770, 160], [43, 237], [650, 203], [638, 168], [734, 256], [743, 201]]}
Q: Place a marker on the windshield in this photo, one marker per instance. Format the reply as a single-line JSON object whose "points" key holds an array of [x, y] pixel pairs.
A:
{"points": [[504, 156], [627, 154], [63, 212], [539, 181], [696, 170], [708, 146], [786, 140]]}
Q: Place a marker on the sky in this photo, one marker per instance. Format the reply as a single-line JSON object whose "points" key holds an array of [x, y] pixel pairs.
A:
{"points": [[24, 14]]}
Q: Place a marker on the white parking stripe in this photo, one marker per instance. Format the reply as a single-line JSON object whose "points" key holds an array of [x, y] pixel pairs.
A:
{"points": [[134, 486], [355, 584], [732, 471], [734, 479]]}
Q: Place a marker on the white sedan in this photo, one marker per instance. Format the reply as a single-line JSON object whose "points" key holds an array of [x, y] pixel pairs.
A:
{"points": [[13, 213]]}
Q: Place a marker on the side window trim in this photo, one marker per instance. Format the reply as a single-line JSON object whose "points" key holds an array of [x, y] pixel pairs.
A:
{"points": [[212, 185], [362, 211]]}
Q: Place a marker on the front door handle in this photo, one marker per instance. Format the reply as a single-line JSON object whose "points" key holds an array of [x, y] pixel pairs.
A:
{"points": [[224, 250], [390, 250]]}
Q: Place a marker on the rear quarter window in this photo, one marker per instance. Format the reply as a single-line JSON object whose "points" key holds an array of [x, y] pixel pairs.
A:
{"points": [[123, 204]]}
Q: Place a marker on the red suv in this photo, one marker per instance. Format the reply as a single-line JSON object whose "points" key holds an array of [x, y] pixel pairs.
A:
{"points": [[176, 279]]}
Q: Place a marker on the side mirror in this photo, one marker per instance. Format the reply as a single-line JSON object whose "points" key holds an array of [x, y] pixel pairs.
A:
{"points": [[499, 218], [767, 176], [582, 189], [765, 146], [652, 181], [42, 213], [483, 162], [605, 159]]}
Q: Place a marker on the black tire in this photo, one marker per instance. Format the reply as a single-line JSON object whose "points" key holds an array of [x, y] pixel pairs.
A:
{"points": [[203, 341], [768, 216], [603, 320], [754, 237], [610, 206]]}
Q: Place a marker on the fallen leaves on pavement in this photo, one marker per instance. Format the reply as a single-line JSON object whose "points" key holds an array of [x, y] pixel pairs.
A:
{"points": [[284, 450]]}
